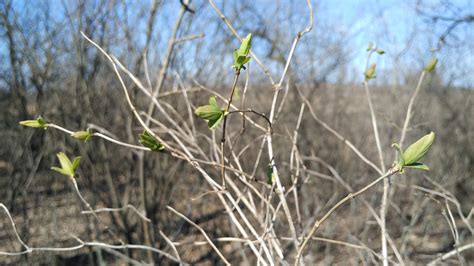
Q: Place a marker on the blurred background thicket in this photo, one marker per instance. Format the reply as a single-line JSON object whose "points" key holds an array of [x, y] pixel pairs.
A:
{"points": [[47, 68]]}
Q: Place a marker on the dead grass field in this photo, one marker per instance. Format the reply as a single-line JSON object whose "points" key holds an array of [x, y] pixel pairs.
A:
{"points": [[47, 211]]}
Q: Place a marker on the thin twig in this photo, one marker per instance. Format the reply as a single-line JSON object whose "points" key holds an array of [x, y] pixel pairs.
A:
{"points": [[294, 150], [337, 135], [127, 95], [451, 253], [82, 244], [118, 210], [191, 160], [173, 247], [119, 255], [189, 37], [336, 206], [279, 187], [14, 227], [232, 29], [79, 194], [299, 35], [410, 107], [375, 127], [100, 135], [383, 207], [280, 190], [257, 113], [224, 124], [203, 233], [364, 201]]}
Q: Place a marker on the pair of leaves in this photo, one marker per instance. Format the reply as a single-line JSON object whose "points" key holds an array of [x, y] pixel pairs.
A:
{"points": [[38, 123], [82, 135], [370, 71], [149, 141], [371, 47], [414, 153], [241, 55], [211, 112], [67, 168]]}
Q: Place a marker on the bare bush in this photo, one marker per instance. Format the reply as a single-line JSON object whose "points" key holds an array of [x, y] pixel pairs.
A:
{"points": [[256, 160]]}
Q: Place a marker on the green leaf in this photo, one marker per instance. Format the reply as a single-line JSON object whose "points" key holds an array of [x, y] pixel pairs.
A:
{"points": [[60, 170], [401, 160], [431, 65], [38, 123], [241, 55], [418, 166], [380, 51], [243, 60], [75, 163], [82, 135], [236, 54], [369, 73], [65, 162], [67, 168], [30, 123], [213, 102], [418, 150], [212, 113], [415, 152], [245, 45], [207, 112], [270, 178], [213, 123], [240, 62], [149, 141]]}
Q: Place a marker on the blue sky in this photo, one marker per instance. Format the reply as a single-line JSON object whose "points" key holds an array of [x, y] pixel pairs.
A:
{"points": [[392, 24], [389, 23]]}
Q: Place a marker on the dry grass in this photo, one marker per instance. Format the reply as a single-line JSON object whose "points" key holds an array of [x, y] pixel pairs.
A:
{"points": [[47, 211]]}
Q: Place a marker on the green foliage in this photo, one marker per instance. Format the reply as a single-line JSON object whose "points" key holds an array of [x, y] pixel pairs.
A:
{"points": [[68, 168], [241, 55], [370, 72], [414, 153], [149, 141], [270, 176], [38, 123], [371, 48], [82, 135], [418, 166], [212, 113], [431, 65], [418, 150]]}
